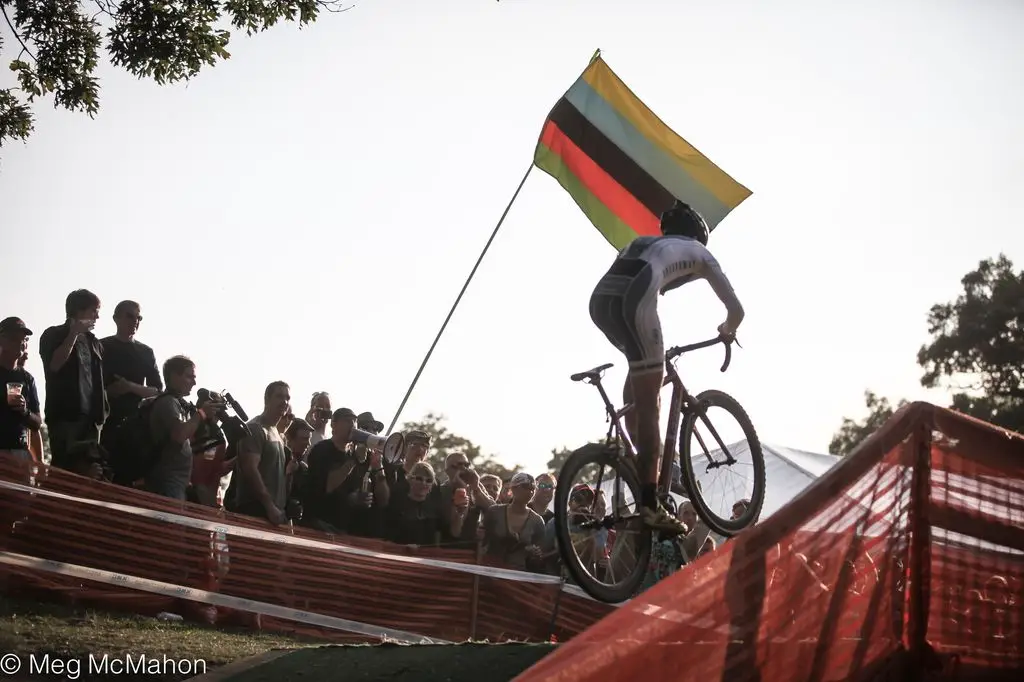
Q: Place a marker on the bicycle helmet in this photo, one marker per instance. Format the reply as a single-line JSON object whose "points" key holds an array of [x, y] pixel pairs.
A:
{"points": [[683, 220]]}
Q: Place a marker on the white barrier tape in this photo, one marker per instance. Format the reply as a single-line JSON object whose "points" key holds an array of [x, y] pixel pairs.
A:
{"points": [[281, 538], [213, 598]]}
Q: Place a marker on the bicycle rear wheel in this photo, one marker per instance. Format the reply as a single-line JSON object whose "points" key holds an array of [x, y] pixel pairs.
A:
{"points": [[597, 532], [713, 454]]}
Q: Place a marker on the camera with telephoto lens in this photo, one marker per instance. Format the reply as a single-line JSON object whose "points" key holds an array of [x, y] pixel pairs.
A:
{"points": [[233, 425], [293, 509]]}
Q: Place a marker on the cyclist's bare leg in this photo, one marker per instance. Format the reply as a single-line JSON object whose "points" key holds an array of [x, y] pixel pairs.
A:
{"points": [[645, 387]]}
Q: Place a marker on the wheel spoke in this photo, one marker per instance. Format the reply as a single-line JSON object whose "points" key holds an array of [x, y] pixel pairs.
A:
{"points": [[713, 499], [599, 549]]}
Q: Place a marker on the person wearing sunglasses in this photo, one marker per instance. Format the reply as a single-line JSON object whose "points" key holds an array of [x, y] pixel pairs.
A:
{"points": [[542, 499], [418, 517], [513, 531], [464, 482]]}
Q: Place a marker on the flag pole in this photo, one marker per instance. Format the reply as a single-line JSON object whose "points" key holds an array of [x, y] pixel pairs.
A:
{"points": [[458, 299]]}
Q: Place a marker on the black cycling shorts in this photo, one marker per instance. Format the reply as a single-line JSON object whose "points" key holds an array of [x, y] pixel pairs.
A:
{"points": [[624, 306]]}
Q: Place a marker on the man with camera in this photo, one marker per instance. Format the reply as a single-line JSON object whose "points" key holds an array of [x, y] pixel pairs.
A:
{"points": [[319, 416], [210, 461], [263, 466], [173, 424]]}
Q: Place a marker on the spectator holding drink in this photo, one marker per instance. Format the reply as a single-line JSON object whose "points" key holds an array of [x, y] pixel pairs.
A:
{"points": [[417, 517], [513, 531], [35, 436], [20, 413]]}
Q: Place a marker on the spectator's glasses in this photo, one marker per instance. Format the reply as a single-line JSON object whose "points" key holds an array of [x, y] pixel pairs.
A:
{"points": [[426, 480], [545, 486]]}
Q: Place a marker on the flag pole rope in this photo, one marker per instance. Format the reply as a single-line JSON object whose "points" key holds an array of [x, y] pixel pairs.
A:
{"points": [[458, 299]]}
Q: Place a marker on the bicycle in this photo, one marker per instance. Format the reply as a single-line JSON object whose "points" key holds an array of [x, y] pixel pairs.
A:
{"points": [[618, 452]]}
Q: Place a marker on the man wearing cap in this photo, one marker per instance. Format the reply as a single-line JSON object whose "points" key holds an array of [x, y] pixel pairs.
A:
{"points": [[333, 489], [416, 445], [366, 422], [20, 412]]}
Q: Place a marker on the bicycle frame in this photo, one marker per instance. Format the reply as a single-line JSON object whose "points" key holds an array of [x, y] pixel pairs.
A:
{"points": [[679, 403], [680, 397]]}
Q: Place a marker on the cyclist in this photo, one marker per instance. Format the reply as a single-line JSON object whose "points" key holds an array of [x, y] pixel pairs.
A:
{"points": [[624, 305]]}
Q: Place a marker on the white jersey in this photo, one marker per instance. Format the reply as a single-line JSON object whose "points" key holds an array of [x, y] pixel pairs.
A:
{"points": [[676, 261], [624, 302]]}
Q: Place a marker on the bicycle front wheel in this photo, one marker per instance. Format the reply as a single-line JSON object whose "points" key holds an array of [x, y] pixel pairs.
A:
{"points": [[601, 537], [714, 473]]}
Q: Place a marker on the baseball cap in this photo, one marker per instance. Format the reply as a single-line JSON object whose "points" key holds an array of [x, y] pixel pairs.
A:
{"points": [[580, 493], [366, 421], [343, 413], [522, 478], [12, 325], [417, 437]]}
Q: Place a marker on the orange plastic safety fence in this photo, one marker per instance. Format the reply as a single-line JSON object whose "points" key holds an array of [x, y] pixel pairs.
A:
{"points": [[905, 561], [416, 598]]}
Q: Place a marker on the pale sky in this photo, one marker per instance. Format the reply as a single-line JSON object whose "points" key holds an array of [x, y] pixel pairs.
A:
{"points": [[308, 210]]}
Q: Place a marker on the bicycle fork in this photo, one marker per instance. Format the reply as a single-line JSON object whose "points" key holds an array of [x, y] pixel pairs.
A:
{"points": [[696, 408]]}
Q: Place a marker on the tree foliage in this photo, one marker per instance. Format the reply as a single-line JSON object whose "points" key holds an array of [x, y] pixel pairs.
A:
{"points": [[558, 457], [852, 432], [59, 44], [977, 346], [443, 443], [976, 351]]}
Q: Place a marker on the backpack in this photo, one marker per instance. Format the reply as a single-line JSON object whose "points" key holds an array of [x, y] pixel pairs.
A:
{"points": [[133, 450]]}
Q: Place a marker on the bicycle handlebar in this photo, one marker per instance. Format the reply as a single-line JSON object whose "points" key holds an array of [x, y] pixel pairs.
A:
{"points": [[679, 350]]}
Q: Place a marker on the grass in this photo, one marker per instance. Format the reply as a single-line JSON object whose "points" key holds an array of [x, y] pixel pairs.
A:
{"points": [[34, 629], [30, 628]]}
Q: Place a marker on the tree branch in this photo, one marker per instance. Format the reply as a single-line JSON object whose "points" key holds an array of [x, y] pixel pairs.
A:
{"points": [[333, 6], [17, 36]]}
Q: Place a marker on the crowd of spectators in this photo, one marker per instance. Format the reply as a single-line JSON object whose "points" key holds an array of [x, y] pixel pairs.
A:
{"points": [[112, 414]]}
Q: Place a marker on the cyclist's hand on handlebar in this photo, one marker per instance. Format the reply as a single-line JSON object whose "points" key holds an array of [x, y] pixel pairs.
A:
{"points": [[727, 333]]}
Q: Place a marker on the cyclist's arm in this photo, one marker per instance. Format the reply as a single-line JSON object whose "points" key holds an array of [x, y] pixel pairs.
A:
{"points": [[723, 289]]}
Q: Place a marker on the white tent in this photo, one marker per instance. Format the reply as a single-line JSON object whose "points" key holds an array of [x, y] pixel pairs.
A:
{"points": [[787, 472]]}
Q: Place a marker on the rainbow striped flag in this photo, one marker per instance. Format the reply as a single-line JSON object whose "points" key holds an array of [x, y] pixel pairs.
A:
{"points": [[622, 164]]}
